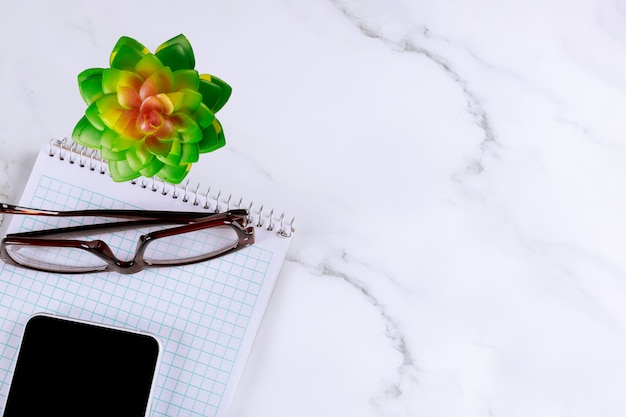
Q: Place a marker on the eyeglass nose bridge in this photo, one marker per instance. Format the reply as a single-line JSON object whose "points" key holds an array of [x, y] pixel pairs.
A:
{"points": [[102, 250]]}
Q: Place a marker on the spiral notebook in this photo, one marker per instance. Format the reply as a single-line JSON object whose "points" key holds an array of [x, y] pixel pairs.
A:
{"points": [[206, 315]]}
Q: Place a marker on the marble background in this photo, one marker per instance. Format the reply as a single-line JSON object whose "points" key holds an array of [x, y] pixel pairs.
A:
{"points": [[457, 170]]}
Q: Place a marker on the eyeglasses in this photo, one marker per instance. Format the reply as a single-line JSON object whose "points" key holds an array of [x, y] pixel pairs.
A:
{"points": [[192, 237]]}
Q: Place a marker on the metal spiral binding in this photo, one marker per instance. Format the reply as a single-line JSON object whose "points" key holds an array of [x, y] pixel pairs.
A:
{"points": [[73, 152], [64, 148]]}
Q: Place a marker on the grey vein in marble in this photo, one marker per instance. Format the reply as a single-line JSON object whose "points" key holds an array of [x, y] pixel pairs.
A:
{"points": [[392, 330], [474, 107]]}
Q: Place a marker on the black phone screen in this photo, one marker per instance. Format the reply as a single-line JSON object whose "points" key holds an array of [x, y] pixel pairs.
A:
{"points": [[73, 368]]}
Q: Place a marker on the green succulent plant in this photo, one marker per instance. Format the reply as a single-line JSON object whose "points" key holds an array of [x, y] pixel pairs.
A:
{"points": [[151, 114]]}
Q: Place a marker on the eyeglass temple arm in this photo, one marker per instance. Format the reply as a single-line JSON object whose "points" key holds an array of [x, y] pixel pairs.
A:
{"points": [[115, 226], [110, 227], [116, 213]]}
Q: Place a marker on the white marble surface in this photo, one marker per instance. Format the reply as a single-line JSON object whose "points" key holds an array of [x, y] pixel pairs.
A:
{"points": [[458, 174]]}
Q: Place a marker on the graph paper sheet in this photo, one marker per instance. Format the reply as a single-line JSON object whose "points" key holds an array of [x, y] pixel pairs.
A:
{"points": [[206, 315]]}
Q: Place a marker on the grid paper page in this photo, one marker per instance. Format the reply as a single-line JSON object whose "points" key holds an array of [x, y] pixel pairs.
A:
{"points": [[206, 314]]}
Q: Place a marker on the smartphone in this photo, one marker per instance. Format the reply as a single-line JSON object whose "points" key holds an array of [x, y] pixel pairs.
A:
{"points": [[68, 367]]}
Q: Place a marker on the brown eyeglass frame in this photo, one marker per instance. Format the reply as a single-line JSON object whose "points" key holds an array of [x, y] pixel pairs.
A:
{"points": [[188, 221]]}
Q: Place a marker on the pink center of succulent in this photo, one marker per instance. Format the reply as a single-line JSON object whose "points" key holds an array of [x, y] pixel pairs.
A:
{"points": [[150, 121], [150, 111]]}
